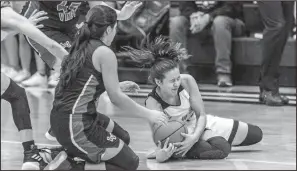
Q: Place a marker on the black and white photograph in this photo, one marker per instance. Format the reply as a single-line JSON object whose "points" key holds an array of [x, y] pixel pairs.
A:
{"points": [[148, 85]]}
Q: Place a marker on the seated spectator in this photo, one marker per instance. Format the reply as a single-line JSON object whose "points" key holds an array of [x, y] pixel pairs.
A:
{"points": [[223, 20], [149, 20]]}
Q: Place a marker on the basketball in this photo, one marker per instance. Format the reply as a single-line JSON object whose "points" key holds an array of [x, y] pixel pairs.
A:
{"points": [[172, 130]]}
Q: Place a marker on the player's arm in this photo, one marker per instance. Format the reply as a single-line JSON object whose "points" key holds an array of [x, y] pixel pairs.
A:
{"points": [[5, 17], [161, 154], [104, 60], [189, 83], [14, 21], [126, 12], [152, 104]]}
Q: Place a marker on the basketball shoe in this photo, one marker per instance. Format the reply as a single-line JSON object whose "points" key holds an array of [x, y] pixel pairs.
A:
{"points": [[32, 159]]}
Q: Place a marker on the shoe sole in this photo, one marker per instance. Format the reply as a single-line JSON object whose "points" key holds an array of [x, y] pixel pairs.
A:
{"points": [[31, 166], [59, 159], [49, 137], [262, 101], [224, 85]]}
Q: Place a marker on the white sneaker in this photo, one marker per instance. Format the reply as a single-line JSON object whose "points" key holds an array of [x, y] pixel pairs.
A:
{"points": [[36, 80], [23, 75], [4, 68], [60, 162], [50, 137], [53, 79], [11, 73]]}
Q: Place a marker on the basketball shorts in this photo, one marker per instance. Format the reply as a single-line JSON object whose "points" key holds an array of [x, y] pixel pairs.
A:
{"points": [[82, 135], [217, 126]]}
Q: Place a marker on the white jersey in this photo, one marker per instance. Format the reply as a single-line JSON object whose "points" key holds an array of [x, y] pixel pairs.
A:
{"points": [[182, 112], [215, 126]]}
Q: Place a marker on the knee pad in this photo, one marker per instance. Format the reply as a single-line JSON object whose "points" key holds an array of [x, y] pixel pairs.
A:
{"points": [[214, 148], [253, 136], [121, 133], [126, 159], [13, 92], [17, 97], [220, 143], [200, 147], [113, 127]]}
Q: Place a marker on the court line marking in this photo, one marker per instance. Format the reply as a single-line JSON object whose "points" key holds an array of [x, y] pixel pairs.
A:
{"points": [[145, 152], [239, 165], [51, 145], [261, 161]]}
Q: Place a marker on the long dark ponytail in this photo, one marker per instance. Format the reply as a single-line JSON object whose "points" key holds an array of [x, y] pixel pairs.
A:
{"points": [[97, 20], [160, 55]]}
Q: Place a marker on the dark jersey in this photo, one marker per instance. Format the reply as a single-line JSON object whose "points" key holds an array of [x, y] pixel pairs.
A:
{"points": [[80, 95], [62, 14]]}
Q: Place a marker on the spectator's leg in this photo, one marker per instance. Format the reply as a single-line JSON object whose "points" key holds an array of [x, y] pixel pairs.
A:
{"points": [[179, 27], [274, 40], [222, 34], [25, 56], [277, 18]]}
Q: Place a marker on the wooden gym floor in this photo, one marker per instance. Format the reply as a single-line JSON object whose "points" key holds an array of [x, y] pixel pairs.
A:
{"points": [[277, 151]]}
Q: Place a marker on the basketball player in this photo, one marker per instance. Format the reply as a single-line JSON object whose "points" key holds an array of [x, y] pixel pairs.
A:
{"points": [[13, 23], [62, 27], [89, 70], [178, 96]]}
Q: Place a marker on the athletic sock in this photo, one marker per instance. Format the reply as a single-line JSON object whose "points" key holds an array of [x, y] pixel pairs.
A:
{"points": [[28, 145]]}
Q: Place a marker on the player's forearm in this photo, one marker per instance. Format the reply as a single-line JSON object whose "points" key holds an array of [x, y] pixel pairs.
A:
{"points": [[35, 34], [200, 126], [198, 108], [57, 50], [123, 102]]}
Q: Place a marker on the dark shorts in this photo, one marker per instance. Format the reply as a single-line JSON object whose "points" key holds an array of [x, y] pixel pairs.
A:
{"points": [[82, 135], [57, 36], [64, 36]]}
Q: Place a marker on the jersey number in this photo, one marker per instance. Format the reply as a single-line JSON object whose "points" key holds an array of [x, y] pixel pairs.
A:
{"points": [[67, 12]]}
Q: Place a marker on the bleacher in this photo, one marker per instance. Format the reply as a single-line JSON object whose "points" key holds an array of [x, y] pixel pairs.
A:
{"points": [[246, 56]]}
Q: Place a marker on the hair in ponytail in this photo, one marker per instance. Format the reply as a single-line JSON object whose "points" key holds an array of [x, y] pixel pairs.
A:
{"points": [[161, 55]]}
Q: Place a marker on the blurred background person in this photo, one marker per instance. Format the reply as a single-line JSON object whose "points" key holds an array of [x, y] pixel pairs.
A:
{"points": [[222, 19], [26, 53], [10, 44], [278, 19]]}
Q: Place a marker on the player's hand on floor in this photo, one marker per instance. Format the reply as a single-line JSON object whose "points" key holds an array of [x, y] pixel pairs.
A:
{"points": [[184, 146], [163, 154], [129, 86], [36, 17]]}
